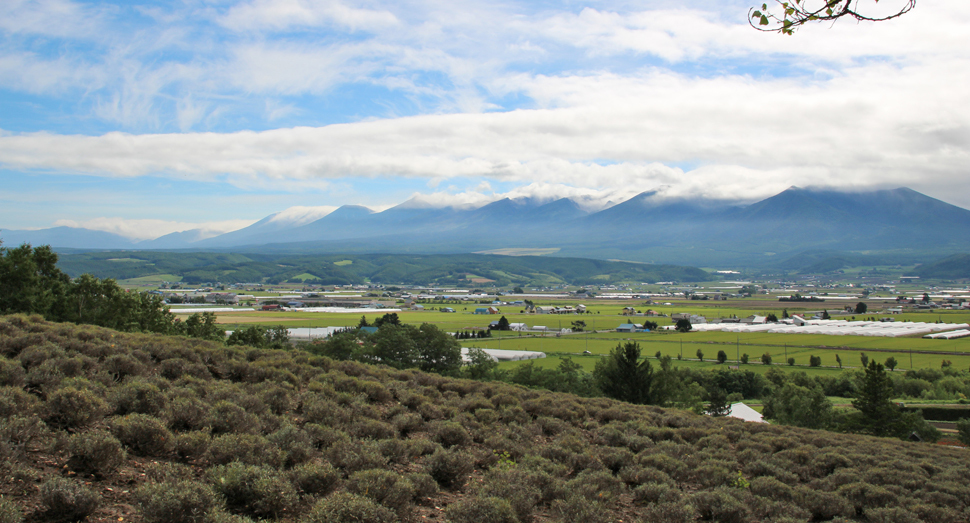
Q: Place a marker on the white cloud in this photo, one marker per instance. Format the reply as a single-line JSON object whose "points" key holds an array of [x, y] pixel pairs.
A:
{"points": [[147, 229], [281, 15]]}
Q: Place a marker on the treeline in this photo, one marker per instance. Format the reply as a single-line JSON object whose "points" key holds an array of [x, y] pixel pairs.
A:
{"points": [[31, 283], [790, 398], [196, 268]]}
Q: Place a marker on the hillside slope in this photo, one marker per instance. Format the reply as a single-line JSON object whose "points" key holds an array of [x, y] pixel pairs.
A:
{"points": [[135, 428]]}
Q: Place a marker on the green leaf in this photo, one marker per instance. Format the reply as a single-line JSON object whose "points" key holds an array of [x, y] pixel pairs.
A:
{"points": [[764, 7], [764, 20], [756, 14]]}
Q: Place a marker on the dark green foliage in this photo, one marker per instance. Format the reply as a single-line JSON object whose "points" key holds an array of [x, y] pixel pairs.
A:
{"points": [[344, 506], [176, 502], [622, 376], [260, 337], [800, 406], [721, 356], [67, 499]]}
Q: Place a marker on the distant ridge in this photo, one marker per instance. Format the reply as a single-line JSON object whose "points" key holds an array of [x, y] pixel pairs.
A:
{"points": [[647, 227]]}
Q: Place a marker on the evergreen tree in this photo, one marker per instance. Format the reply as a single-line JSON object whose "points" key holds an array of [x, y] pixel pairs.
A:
{"points": [[622, 376], [878, 414], [718, 404]]}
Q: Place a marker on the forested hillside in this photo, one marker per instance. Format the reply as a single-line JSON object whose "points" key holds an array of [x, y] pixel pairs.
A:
{"points": [[195, 267], [108, 426]]}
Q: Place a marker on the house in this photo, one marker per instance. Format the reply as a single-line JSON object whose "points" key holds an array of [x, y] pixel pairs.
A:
{"points": [[493, 310], [628, 311], [746, 413], [677, 316], [417, 307], [754, 319], [581, 308], [627, 327], [446, 309], [546, 310], [518, 327], [481, 310]]}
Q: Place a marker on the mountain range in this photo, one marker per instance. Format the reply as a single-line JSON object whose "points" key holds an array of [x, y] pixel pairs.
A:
{"points": [[646, 228]]}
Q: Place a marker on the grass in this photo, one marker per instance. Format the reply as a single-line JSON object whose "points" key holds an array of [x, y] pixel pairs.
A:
{"points": [[343, 263]]}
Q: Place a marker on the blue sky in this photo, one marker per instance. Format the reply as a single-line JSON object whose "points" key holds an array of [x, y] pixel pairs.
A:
{"points": [[144, 118]]}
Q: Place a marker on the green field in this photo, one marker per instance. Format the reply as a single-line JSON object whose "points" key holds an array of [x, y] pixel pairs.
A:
{"points": [[909, 352]]}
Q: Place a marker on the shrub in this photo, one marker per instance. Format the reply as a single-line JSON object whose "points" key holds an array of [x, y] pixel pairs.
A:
{"points": [[9, 512], [72, 408], [355, 455], [372, 429], [514, 485], [68, 499], [144, 435], [407, 422], [226, 417], [187, 414], [670, 511], [823, 505], [344, 506], [256, 490], [449, 433], [12, 373], [21, 431], [719, 505], [192, 445], [891, 515], [864, 496], [315, 478], [138, 396], [579, 508], [650, 493], [424, 485], [383, 486], [596, 485], [481, 510], [176, 502], [95, 452], [449, 467], [120, 366], [246, 448], [294, 443], [16, 401]]}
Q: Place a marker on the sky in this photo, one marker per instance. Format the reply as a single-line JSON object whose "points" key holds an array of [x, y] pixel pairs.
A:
{"points": [[144, 118]]}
